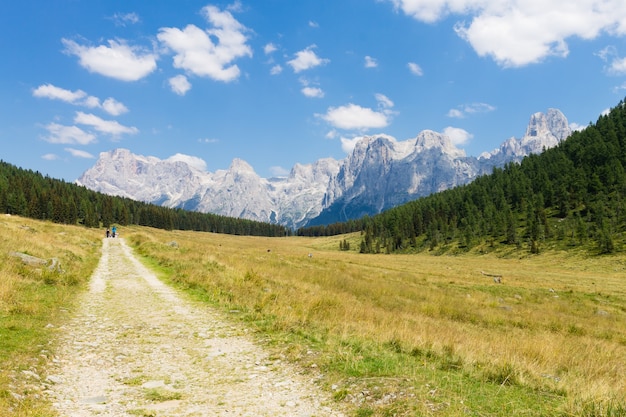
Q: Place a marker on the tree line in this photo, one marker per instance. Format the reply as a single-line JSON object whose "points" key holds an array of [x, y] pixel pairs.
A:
{"points": [[570, 195], [30, 194]]}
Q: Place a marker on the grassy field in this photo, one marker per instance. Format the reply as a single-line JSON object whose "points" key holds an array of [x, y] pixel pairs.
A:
{"points": [[421, 334], [33, 300], [392, 335]]}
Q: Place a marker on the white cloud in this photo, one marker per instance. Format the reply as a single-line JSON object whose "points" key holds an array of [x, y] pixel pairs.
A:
{"points": [[79, 98], [457, 135], [123, 19], [79, 154], [576, 126], [456, 113], [618, 89], [110, 127], [94, 102], [332, 134], [114, 107], [306, 59], [607, 52], [276, 69], [70, 135], [309, 91], [179, 84], [118, 60], [269, 48], [236, 6], [347, 145], [516, 33], [313, 24], [56, 93], [354, 117], [195, 51], [467, 109], [415, 69], [478, 108], [208, 140], [192, 161], [50, 157], [618, 66], [278, 171], [426, 11], [313, 92], [370, 62], [384, 101]]}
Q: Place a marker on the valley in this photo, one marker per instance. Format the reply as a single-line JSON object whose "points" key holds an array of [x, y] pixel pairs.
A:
{"points": [[387, 334]]}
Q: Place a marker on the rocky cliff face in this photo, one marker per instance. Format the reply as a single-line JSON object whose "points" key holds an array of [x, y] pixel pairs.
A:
{"points": [[544, 131], [236, 192], [163, 182], [380, 173]]}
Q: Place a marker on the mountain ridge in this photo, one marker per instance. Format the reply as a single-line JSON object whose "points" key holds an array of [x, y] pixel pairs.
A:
{"points": [[380, 172]]}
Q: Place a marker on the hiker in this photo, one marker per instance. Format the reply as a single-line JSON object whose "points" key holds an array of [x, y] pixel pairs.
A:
{"points": [[114, 231], [108, 232]]}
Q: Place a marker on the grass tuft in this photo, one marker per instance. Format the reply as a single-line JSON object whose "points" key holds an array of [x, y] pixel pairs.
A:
{"points": [[162, 395]]}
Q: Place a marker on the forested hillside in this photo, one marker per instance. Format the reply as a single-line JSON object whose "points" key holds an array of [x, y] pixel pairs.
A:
{"points": [[569, 196], [30, 194]]}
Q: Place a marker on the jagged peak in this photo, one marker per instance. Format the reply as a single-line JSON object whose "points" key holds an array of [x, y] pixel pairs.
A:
{"points": [[124, 155], [552, 122], [375, 143], [240, 166], [325, 163], [429, 139], [118, 153], [325, 167], [300, 170], [365, 142]]}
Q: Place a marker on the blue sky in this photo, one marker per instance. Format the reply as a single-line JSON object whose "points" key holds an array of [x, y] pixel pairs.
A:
{"points": [[280, 82]]}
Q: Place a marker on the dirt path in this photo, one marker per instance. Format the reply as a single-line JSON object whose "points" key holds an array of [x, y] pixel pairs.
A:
{"points": [[137, 348]]}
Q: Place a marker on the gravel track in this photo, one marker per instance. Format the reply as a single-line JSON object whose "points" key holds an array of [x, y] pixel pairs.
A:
{"points": [[136, 347]]}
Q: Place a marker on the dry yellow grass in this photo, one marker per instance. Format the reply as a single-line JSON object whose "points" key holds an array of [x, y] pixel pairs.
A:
{"points": [[32, 301], [556, 324]]}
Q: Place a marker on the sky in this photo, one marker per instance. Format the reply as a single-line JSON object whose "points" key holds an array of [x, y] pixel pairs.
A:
{"points": [[280, 82]]}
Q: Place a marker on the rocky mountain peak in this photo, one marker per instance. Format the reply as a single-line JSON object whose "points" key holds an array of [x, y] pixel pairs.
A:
{"points": [[300, 170], [241, 167], [544, 131], [552, 123], [428, 139], [320, 171]]}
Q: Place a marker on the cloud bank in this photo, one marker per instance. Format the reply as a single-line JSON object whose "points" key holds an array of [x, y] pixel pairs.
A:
{"points": [[79, 98], [515, 33], [196, 52]]}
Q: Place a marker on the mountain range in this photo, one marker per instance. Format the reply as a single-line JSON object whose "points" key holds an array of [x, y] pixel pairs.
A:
{"points": [[380, 173]]}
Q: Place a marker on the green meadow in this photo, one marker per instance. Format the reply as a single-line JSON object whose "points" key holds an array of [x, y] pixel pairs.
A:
{"points": [[387, 335]]}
